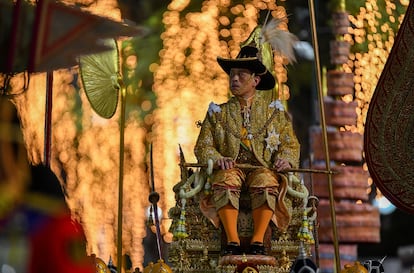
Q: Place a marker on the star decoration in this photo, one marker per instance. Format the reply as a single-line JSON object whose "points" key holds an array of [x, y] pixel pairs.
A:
{"points": [[272, 141]]}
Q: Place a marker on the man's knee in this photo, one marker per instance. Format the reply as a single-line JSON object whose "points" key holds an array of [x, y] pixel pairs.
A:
{"points": [[263, 195], [226, 195]]}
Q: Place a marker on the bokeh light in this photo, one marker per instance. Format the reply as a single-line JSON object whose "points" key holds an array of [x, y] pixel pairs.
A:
{"points": [[370, 29]]}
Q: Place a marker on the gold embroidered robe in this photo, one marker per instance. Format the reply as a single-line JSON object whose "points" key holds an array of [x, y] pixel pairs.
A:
{"points": [[220, 133], [220, 136]]}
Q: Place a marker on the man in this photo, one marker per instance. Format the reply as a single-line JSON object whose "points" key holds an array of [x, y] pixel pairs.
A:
{"points": [[248, 128]]}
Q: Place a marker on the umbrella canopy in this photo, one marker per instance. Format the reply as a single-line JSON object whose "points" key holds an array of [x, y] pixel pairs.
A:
{"points": [[51, 35]]}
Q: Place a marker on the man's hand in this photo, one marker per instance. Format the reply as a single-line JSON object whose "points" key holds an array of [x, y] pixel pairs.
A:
{"points": [[225, 163], [281, 164]]}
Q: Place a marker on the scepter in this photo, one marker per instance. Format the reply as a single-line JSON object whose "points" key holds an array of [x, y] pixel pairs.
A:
{"points": [[249, 166]]}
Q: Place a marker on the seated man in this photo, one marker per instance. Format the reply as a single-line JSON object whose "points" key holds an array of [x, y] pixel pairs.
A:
{"points": [[248, 128]]}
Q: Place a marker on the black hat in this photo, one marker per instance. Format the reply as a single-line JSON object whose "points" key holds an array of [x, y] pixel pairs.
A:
{"points": [[247, 58]]}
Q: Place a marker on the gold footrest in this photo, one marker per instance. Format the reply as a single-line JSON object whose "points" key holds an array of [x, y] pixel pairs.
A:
{"points": [[247, 259]]}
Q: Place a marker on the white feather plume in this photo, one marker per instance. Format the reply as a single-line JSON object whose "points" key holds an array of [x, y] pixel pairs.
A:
{"points": [[282, 41]]}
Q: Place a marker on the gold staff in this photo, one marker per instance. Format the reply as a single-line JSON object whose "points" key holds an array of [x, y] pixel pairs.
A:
{"points": [[121, 175], [325, 137]]}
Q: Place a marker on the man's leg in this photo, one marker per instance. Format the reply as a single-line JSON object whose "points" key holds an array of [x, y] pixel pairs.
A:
{"points": [[228, 217], [226, 189], [263, 187], [261, 219]]}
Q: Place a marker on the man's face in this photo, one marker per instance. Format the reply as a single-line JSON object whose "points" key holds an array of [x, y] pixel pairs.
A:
{"points": [[243, 82]]}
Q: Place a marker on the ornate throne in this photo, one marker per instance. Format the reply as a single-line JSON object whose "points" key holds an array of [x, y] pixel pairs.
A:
{"points": [[197, 242]]}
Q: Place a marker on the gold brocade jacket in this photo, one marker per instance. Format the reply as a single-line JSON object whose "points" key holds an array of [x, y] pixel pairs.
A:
{"points": [[272, 134]]}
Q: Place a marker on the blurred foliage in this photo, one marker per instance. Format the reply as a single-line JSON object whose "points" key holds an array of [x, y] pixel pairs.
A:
{"points": [[138, 78]]}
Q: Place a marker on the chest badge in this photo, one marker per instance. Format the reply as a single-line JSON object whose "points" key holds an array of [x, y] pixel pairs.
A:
{"points": [[272, 141]]}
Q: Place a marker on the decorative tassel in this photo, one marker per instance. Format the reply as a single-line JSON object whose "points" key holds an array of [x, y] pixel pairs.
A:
{"points": [[181, 232], [305, 231]]}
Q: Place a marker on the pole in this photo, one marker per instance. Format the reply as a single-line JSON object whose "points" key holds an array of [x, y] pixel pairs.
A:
{"points": [[154, 197], [16, 25], [121, 178], [324, 131], [48, 118], [315, 222]]}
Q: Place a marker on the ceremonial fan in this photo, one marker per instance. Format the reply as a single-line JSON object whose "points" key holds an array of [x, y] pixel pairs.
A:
{"points": [[103, 83], [101, 79]]}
